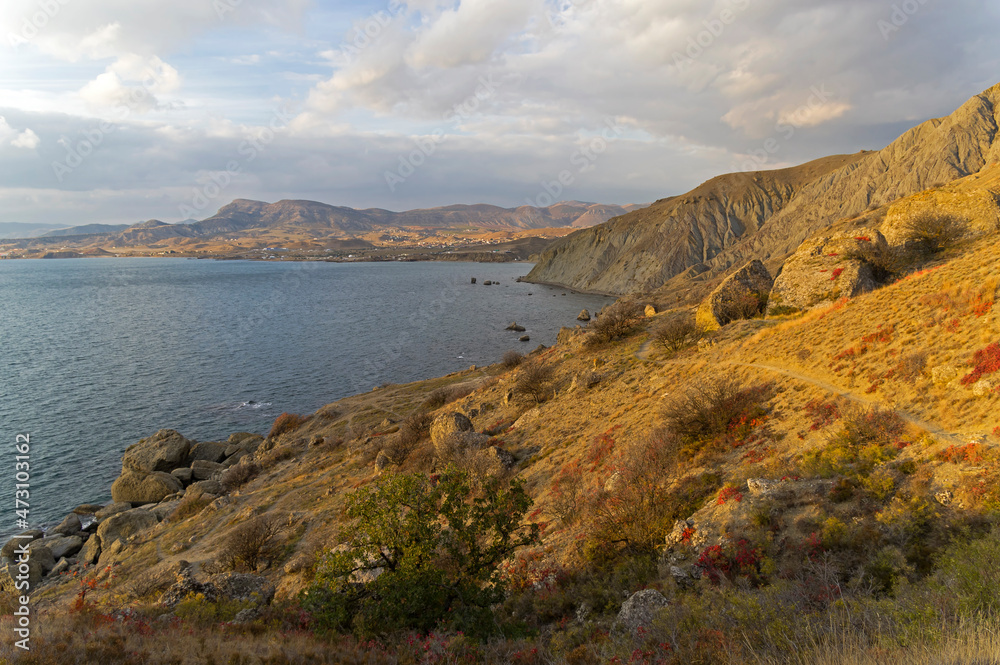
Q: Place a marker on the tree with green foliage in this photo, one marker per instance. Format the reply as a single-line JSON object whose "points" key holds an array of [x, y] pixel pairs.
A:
{"points": [[422, 553]]}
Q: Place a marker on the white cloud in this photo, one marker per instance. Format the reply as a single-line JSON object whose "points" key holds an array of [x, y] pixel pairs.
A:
{"points": [[131, 83], [27, 139]]}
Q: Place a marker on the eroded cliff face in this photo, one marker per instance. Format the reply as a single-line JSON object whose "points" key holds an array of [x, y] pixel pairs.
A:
{"points": [[739, 217]]}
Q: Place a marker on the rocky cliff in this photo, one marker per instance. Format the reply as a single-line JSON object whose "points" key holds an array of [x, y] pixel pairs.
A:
{"points": [[735, 218]]}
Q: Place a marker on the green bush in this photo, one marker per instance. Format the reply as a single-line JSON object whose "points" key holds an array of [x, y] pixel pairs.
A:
{"points": [[422, 553]]}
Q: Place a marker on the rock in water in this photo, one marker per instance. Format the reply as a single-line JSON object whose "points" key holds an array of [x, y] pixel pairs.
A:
{"points": [[743, 295], [524, 338], [516, 328], [583, 316]]}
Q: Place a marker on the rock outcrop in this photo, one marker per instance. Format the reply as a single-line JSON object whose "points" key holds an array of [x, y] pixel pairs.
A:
{"points": [[978, 207], [823, 270], [742, 295], [640, 610], [134, 487]]}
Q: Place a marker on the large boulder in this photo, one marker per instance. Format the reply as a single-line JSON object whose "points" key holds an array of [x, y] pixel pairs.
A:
{"points": [[10, 573], [91, 551], [124, 526], [164, 451], [41, 554], [61, 546], [242, 587], [743, 295], [136, 487], [69, 526], [446, 425], [245, 440], [821, 270], [210, 451], [979, 207], [112, 508], [204, 470], [640, 610], [7, 552]]}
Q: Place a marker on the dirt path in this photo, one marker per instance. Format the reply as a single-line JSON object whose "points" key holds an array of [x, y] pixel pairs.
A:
{"points": [[930, 428], [642, 353]]}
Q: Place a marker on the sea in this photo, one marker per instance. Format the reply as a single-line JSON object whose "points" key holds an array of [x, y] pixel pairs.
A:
{"points": [[98, 353]]}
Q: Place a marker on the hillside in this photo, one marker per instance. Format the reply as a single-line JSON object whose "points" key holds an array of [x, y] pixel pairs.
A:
{"points": [[766, 215], [245, 223], [819, 486]]}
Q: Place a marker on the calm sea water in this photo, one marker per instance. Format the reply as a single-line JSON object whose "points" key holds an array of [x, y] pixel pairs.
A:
{"points": [[98, 353]]}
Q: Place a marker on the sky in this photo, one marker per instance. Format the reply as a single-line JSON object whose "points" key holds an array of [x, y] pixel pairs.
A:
{"points": [[117, 111]]}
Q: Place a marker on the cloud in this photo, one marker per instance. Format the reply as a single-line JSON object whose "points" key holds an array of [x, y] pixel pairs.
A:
{"points": [[131, 83], [26, 139]]}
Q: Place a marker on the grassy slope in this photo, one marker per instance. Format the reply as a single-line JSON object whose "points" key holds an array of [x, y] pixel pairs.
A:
{"points": [[606, 400]]}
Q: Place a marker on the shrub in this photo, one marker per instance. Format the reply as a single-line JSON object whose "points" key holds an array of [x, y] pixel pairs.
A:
{"points": [[742, 303], [617, 320], [446, 394], [676, 332], [706, 410], [512, 359], [250, 544], [984, 361], [886, 262], [784, 310], [286, 422], [414, 428], [911, 366], [438, 547], [533, 381], [239, 474], [191, 504], [934, 232]]}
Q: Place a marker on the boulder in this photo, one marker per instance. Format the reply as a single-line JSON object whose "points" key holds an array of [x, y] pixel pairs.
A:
{"points": [[112, 509], [207, 487], [821, 271], [14, 543], [524, 338], [235, 458], [649, 311], [124, 526], [640, 610], [496, 461], [69, 526], [459, 444], [183, 474], [164, 451], [61, 566], [983, 388], [583, 316], [209, 450], [165, 509], [62, 546], [91, 551], [240, 587], [136, 487], [979, 207], [516, 328], [41, 554], [246, 440], [743, 295], [446, 425], [204, 470], [382, 462], [87, 508], [9, 574], [186, 585]]}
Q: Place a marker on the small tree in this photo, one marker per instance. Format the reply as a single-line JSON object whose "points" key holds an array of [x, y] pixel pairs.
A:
{"points": [[250, 544], [676, 332], [533, 381], [935, 231], [617, 320], [421, 553]]}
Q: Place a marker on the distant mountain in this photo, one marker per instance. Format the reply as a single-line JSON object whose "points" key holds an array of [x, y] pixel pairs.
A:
{"points": [[246, 218], [22, 230], [765, 215], [86, 229]]}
